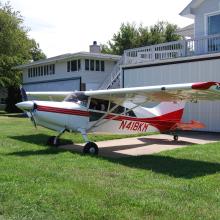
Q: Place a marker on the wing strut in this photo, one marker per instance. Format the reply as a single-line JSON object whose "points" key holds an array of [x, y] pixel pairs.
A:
{"points": [[112, 117], [108, 112]]}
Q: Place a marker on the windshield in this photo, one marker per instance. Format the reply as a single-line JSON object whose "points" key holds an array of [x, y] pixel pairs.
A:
{"points": [[78, 98]]}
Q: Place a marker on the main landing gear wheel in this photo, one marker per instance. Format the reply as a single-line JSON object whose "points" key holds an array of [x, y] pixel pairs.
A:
{"points": [[53, 141], [175, 137], [91, 148]]}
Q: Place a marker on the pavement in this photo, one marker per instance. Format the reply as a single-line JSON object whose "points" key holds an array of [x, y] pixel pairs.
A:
{"points": [[147, 144]]}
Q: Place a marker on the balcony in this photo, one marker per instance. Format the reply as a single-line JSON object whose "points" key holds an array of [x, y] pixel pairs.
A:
{"points": [[176, 49]]}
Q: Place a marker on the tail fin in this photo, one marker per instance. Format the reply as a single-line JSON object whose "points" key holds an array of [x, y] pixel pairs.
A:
{"points": [[167, 115], [23, 94]]}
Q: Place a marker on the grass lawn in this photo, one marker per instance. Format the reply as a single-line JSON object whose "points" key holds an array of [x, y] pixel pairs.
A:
{"points": [[38, 182]]}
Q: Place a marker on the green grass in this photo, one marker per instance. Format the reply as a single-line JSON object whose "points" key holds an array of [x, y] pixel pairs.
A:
{"points": [[38, 182]]}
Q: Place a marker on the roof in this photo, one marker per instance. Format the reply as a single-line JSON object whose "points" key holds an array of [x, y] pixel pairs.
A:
{"points": [[188, 11], [69, 56], [187, 31]]}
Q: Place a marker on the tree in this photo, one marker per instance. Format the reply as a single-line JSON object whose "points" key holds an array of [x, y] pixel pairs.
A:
{"points": [[15, 49], [129, 36]]}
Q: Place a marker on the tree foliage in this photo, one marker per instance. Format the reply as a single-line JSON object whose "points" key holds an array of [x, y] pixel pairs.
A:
{"points": [[16, 47], [130, 36]]}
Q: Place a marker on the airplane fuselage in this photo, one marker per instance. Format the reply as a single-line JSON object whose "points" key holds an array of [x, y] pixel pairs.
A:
{"points": [[73, 117]]}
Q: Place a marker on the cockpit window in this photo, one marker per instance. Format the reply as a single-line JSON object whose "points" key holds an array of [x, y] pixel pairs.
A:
{"points": [[78, 98], [98, 104]]}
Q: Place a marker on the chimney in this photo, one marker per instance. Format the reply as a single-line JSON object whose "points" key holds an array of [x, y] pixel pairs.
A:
{"points": [[94, 48]]}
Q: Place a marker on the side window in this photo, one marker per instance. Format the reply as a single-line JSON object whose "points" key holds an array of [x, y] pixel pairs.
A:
{"points": [[130, 113], [119, 110], [99, 105]]}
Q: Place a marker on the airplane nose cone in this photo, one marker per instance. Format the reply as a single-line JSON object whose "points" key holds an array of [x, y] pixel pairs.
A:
{"points": [[25, 106]]}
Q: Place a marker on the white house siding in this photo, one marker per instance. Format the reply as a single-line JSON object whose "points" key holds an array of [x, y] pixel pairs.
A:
{"points": [[92, 79], [207, 112], [207, 7], [71, 84]]}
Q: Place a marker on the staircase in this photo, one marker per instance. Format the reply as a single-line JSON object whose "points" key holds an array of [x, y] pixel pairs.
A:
{"points": [[113, 80]]}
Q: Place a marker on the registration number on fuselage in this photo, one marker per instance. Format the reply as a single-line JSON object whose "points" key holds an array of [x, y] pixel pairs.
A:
{"points": [[133, 126]]}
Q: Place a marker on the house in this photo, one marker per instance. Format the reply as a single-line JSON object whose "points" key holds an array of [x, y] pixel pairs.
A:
{"points": [[69, 72], [197, 58]]}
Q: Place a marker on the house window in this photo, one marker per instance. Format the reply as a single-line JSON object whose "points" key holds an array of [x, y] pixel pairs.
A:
{"points": [[86, 64], [97, 65], [92, 67], [45, 70], [213, 28], [102, 66], [74, 65], [79, 65], [213, 24], [41, 71], [33, 72], [68, 66]]}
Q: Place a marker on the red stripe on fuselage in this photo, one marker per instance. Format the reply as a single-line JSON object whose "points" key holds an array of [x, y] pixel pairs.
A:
{"points": [[62, 110]]}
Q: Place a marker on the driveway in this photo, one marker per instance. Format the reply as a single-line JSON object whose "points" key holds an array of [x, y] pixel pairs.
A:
{"points": [[148, 144]]}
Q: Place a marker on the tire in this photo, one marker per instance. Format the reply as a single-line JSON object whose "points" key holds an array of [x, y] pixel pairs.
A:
{"points": [[91, 148], [175, 137], [50, 141]]}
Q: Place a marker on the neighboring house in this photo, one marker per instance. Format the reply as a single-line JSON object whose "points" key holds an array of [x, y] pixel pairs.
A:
{"points": [[187, 32], [69, 72]]}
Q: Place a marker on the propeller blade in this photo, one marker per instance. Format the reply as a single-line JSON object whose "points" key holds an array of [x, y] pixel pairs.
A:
{"points": [[31, 116], [33, 120]]}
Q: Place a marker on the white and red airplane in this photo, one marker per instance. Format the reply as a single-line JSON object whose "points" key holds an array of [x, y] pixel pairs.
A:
{"points": [[116, 110]]}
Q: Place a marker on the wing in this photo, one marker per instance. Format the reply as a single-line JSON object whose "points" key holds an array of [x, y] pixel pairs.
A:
{"points": [[163, 93], [53, 96], [138, 95]]}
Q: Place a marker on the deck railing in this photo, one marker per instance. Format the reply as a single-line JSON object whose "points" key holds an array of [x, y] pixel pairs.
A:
{"points": [[182, 48]]}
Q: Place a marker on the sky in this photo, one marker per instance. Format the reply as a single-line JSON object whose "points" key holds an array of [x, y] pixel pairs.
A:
{"points": [[69, 26]]}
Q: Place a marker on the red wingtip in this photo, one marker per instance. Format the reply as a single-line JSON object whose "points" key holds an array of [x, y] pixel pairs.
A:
{"points": [[204, 85]]}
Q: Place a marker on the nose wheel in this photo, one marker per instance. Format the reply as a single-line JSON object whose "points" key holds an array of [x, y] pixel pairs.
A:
{"points": [[175, 137], [91, 148]]}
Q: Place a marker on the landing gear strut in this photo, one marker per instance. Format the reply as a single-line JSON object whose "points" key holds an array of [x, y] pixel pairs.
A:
{"points": [[90, 147], [55, 140]]}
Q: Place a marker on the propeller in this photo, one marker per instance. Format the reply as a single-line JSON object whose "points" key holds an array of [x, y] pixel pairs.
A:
{"points": [[31, 115]]}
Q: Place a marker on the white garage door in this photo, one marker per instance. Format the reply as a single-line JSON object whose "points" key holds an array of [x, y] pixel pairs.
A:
{"points": [[71, 84]]}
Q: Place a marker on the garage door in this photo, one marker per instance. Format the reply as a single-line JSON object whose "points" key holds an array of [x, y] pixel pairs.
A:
{"points": [[71, 84]]}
